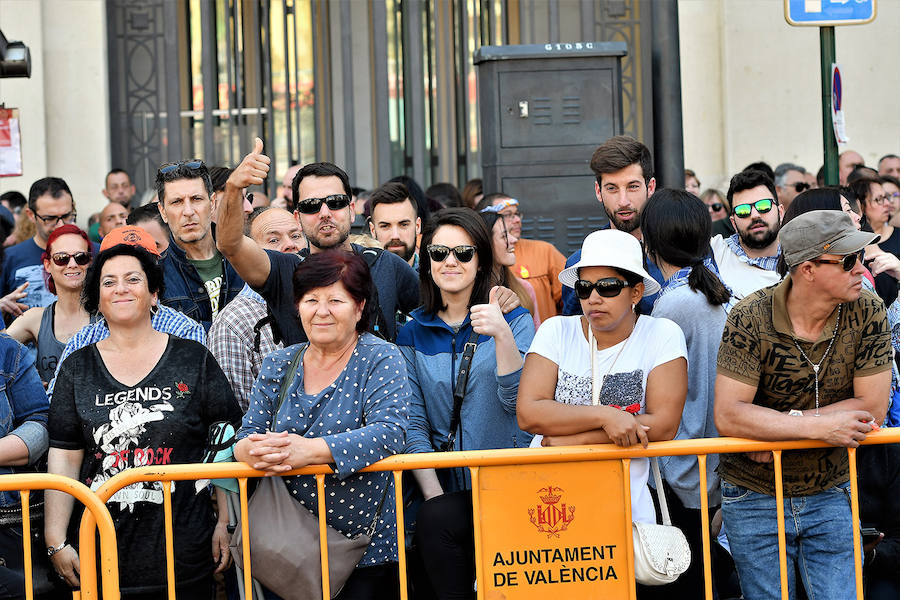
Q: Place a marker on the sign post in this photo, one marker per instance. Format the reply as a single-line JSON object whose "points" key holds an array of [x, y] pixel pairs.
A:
{"points": [[826, 14]]}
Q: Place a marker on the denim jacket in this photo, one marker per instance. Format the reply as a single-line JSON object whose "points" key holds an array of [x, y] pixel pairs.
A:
{"points": [[23, 406], [184, 289]]}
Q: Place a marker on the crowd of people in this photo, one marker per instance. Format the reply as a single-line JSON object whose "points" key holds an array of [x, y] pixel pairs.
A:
{"points": [[334, 325]]}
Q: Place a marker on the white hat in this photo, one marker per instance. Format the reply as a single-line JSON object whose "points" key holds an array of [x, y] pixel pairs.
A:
{"points": [[611, 248]]}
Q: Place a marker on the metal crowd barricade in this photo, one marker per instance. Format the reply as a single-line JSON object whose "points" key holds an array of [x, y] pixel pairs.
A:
{"points": [[24, 483], [474, 460]]}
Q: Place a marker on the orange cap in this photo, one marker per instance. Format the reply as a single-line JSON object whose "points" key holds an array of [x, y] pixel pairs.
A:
{"points": [[132, 235]]}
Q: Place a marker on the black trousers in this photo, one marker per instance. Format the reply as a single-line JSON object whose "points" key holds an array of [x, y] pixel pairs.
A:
{"points": [[446, 543]]}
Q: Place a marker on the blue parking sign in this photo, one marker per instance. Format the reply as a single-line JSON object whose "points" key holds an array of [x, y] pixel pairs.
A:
{"points": [[822, 13]]}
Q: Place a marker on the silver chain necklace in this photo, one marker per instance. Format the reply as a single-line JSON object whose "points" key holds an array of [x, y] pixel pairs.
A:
{"points": [[816, 366]]}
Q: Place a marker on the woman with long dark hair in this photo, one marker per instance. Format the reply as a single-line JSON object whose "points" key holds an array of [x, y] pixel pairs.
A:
{"points": [[460, 321], [676, 229]]}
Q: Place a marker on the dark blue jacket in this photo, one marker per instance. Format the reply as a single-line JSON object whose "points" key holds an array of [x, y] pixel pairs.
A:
{"points": [[184, 290]]}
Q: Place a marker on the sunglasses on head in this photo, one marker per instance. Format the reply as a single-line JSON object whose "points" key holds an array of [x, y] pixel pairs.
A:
{"points": [[847, 263], [762, 207], [61, 259], [193, 165], [608, 287], [311, 206], [439, 253]]}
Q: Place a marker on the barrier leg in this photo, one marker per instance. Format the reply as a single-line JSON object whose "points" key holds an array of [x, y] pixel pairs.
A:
{"points": [[323, 537], [170, 546], [245, 538], [629, 540], [779, 507], [401, 533], [854, 521], [25, 496], [704, 523], [476, 523]]}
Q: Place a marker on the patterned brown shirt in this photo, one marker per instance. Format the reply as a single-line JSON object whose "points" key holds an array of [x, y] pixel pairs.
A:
{"points": [[758, 349]]}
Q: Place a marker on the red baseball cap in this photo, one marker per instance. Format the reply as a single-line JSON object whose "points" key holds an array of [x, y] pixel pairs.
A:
{"points": [[132, 235]]}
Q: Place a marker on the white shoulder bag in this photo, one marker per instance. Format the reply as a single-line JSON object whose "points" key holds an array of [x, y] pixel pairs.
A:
{"points": [[661, 552]]}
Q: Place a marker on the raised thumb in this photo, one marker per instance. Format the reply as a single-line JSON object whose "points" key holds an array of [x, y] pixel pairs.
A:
{"points": [[492, 298], [257, 146]]}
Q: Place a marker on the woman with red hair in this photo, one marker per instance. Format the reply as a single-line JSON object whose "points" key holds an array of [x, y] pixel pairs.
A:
{"points": [[66, 259]]}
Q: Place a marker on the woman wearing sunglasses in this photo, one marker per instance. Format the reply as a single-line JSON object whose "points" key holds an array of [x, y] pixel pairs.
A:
{"points": [[66, 259], [504, 246], [639, 363], [460, 322]]}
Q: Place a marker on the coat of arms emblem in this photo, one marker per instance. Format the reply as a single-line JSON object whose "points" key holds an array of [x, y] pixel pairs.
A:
{"points": [[551, 516]]}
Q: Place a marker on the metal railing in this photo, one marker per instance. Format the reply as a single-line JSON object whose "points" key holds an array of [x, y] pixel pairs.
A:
{"points": [[25, 483], [473, 460]]}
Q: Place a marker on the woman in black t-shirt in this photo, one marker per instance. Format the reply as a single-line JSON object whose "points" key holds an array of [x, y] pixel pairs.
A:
{"points": [[137, 398]]}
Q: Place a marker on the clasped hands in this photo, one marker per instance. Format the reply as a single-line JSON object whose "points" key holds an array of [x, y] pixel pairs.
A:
{"points": [[278, 452]]}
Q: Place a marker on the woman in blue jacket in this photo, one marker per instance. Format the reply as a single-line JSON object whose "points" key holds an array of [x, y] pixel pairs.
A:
{"points": [[460, 310]]}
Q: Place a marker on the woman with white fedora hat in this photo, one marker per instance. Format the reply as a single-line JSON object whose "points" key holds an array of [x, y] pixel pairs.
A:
{"points": [[639, 363]]}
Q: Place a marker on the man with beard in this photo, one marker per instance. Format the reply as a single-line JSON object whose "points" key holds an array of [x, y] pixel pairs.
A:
{"points": [[394, 221], [324, 209], [623, 167], [748, 259]]}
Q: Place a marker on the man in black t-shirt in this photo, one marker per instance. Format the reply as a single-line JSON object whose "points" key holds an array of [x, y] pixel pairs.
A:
{"points": [[325, 212]]}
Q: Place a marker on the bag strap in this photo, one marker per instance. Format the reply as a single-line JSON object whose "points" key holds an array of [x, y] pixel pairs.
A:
{"points": [[459, 392], [289, 377], [660, 492], [282, 393], [654, 464]]}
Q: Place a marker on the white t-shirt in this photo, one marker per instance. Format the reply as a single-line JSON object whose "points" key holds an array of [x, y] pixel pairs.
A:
{"points": [[626, 366]]}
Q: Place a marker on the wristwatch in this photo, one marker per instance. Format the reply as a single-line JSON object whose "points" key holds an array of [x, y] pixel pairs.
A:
{"points": [[795, 413], [51, 550]]}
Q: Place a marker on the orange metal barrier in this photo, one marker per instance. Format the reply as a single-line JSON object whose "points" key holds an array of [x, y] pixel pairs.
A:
{"points": [[26, 482], [474, 460]]}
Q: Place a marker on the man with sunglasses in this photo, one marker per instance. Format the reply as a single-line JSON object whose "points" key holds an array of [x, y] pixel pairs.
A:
{"points": [[325, 211], [790, 180], [199, 280], [748, 260], [50, 205], [807, 359]]}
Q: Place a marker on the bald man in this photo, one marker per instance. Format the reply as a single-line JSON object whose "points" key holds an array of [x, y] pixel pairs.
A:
{"points": [[232, 337], [848, 160], [113, 215]]}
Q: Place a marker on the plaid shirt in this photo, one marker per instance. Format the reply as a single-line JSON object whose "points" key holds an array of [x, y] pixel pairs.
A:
{"points": [[165, 320], [232, 339], [768, 263]]}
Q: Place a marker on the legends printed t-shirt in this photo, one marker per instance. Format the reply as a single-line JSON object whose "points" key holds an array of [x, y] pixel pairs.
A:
{"points": [[162, 420], [758, 349], [624, 369], [210, 271]]}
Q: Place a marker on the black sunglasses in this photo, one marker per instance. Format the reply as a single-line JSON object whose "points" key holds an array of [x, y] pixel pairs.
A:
{"points": [[439, 253], [716, 206], [800, 186], [61, 259], [847, 263], [608, 287], [311, 206]]}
